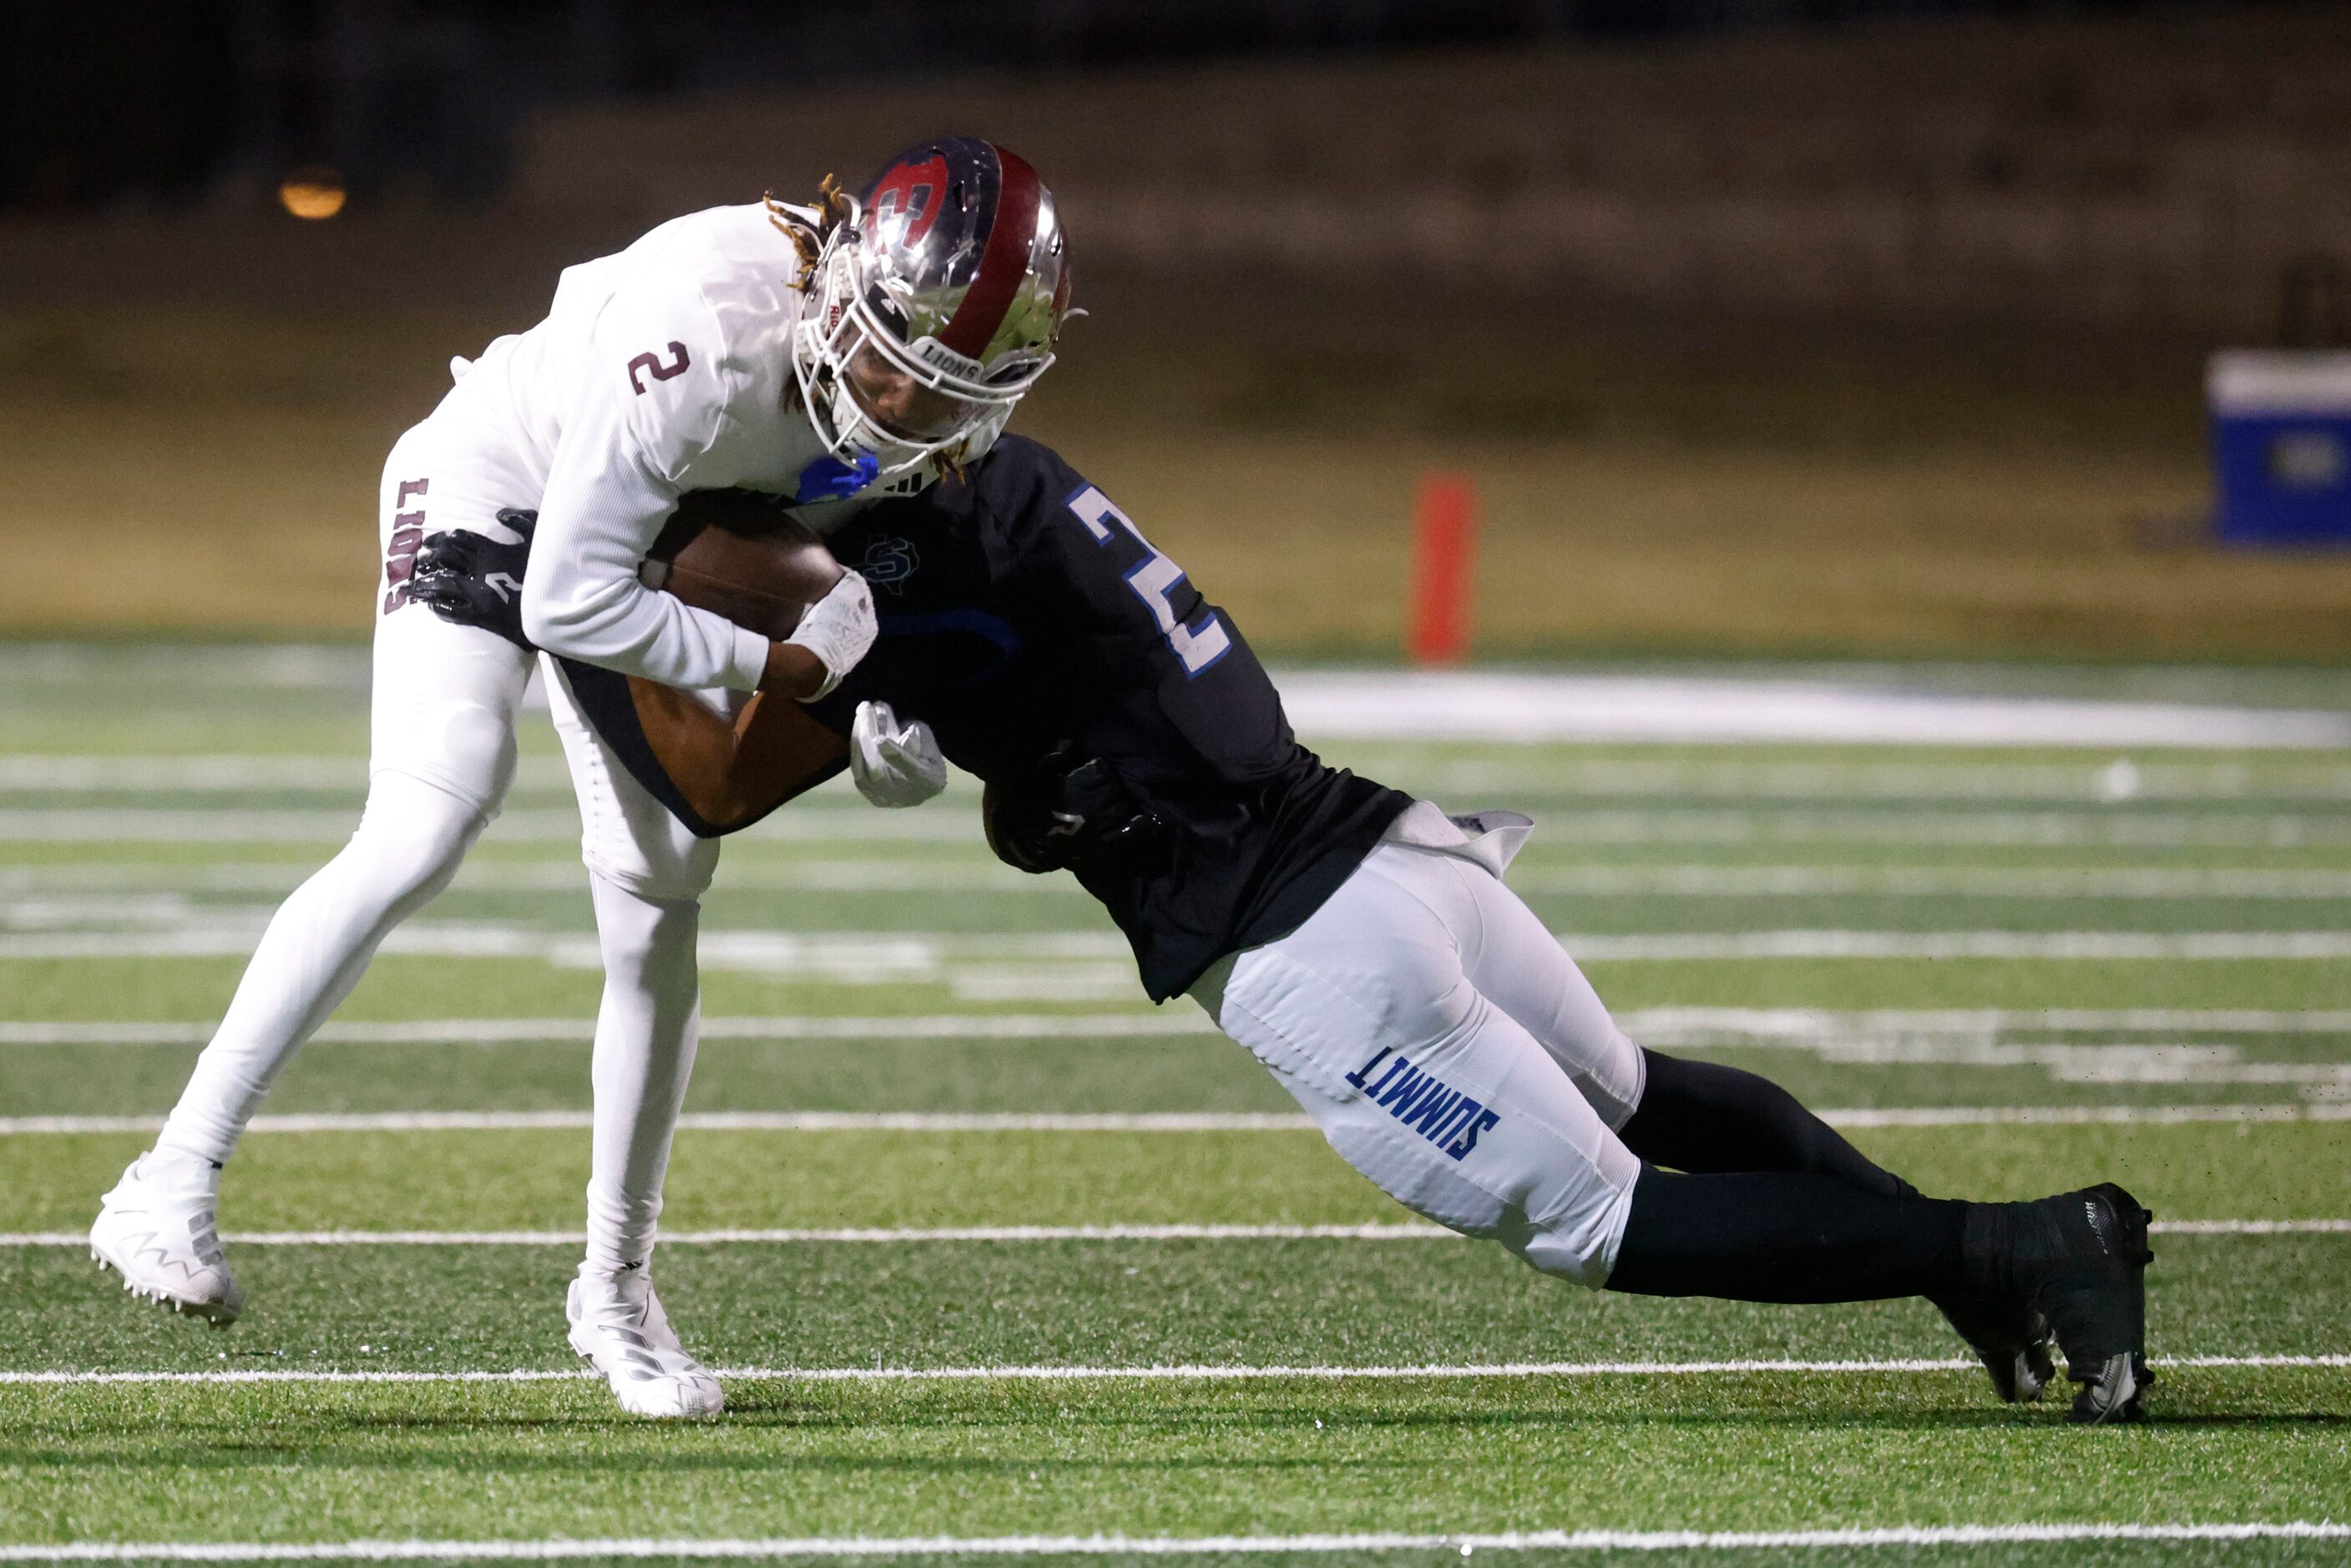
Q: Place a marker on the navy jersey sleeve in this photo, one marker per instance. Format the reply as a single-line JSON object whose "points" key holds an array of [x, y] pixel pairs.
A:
{"points": [[1171, 689]]}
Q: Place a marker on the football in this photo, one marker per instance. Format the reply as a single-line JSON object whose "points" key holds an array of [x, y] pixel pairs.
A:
{"points": [[733, 553]]}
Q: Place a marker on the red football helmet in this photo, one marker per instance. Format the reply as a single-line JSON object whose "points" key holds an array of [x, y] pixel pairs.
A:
{"points": [[936, 302]]}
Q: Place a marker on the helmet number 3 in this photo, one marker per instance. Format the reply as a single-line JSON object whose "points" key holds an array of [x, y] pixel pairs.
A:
{"points": [[1155, 581]]}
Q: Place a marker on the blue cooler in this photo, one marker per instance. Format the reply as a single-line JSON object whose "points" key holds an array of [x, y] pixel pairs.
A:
{"points": [[2282, 445]]}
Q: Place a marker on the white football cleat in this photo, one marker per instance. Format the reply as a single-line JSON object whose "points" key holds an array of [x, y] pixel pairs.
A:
{"points": [[156, 1228], [618, 1327]]}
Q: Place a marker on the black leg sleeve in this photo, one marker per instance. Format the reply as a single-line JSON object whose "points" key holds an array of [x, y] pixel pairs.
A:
{"points": [[1781, 1237], [1700, 1118]]}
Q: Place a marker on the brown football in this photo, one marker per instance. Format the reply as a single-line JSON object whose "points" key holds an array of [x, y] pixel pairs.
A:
{"points": [[733, 553]]}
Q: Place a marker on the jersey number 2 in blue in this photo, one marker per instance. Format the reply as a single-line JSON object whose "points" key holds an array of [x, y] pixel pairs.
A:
{"points": [[1198, 645]]}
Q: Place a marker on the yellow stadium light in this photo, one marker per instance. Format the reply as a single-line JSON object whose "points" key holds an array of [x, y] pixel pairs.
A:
{"points": [[313, 191]]}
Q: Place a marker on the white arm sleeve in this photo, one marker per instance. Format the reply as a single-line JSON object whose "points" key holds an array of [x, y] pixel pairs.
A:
{"points": [[655, 396]]}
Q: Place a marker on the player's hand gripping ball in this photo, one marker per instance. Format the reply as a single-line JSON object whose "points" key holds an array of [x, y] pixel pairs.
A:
{"points": [[733, 553]]}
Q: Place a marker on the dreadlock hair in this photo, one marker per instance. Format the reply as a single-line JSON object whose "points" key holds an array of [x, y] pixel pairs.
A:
{"points": [[832, 206]]}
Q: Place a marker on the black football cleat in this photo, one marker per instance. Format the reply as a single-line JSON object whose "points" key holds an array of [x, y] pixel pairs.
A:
{"points": [[2079, 1260], [2008, 1337], [2116, 1397], [2120, 1395]]}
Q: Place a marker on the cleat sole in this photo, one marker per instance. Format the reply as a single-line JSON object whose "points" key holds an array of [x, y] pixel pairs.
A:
{"points": [[216, 1314]]}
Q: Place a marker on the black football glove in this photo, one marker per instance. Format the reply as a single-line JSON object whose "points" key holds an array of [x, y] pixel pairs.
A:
{"points": [[472, 579], [1077, 815]]}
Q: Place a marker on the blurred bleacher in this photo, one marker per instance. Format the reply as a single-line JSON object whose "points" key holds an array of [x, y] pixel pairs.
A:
{"points": [[2177, 174]]}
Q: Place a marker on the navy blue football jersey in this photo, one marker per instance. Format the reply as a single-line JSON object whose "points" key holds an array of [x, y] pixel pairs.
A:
{"points": [[1021, 614]]}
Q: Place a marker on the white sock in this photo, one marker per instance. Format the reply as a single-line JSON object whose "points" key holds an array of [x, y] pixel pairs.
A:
{"points": [[645, 1034], [408, 843]]}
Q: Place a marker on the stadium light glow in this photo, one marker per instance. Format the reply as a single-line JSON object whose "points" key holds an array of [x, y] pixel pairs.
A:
{"points": [[313, 191]]}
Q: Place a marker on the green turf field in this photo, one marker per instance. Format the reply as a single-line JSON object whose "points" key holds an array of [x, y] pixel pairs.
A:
{"points": [[995, 1254]]}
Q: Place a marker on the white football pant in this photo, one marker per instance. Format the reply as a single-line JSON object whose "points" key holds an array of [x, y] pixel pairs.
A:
{"points": [[447, 701], [1448, 1048]]}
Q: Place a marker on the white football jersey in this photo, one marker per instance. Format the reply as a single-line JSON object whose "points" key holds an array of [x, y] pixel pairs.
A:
{"points": [[662, 369]]}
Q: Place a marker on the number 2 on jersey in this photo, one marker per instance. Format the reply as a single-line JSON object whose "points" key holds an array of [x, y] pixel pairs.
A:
{"points": [[1198, 645]]}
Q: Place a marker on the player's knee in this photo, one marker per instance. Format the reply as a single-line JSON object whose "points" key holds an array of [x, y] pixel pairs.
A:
{"points": [[668, 866], [1558, 1202], [419, 831], [466, 748], [1615, 1077], [643, 936], [643, 878], [1577, 1244]]}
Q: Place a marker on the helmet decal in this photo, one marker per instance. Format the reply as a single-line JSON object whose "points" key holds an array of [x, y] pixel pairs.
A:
{"points": [[937, 298], [911, 189]]}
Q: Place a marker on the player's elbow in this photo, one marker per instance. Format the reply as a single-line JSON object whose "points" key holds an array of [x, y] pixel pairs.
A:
{"points": [[547, 621], [588, 620]]}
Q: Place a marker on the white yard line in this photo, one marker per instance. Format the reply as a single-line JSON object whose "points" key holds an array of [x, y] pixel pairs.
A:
{"points": [[845, 957], [2194, 707], [1655, 1026], [1930, 882], [1666, 823], [196, 773], [1727, 777], [938, 872], [718, 1121], [1169, 1021], [1828, 1023], [565, 1548], [78, 887], [1730, 776], [1121, 1121], [2092, 828], [1087, 964], [226, 773], [1409, 1230], [78, 824], [1473, 706], [1405, 1231], [2079, 1115], [2251, 1227], [2164, 946], [244, 669], [88, 825], [1168, 1373]]}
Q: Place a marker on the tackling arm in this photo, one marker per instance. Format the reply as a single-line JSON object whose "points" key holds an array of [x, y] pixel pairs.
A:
{"points": [[733, 774]]}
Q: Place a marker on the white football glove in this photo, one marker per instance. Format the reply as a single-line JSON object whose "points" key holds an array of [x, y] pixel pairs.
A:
{"points": [[894, 765], [838, 629]]}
